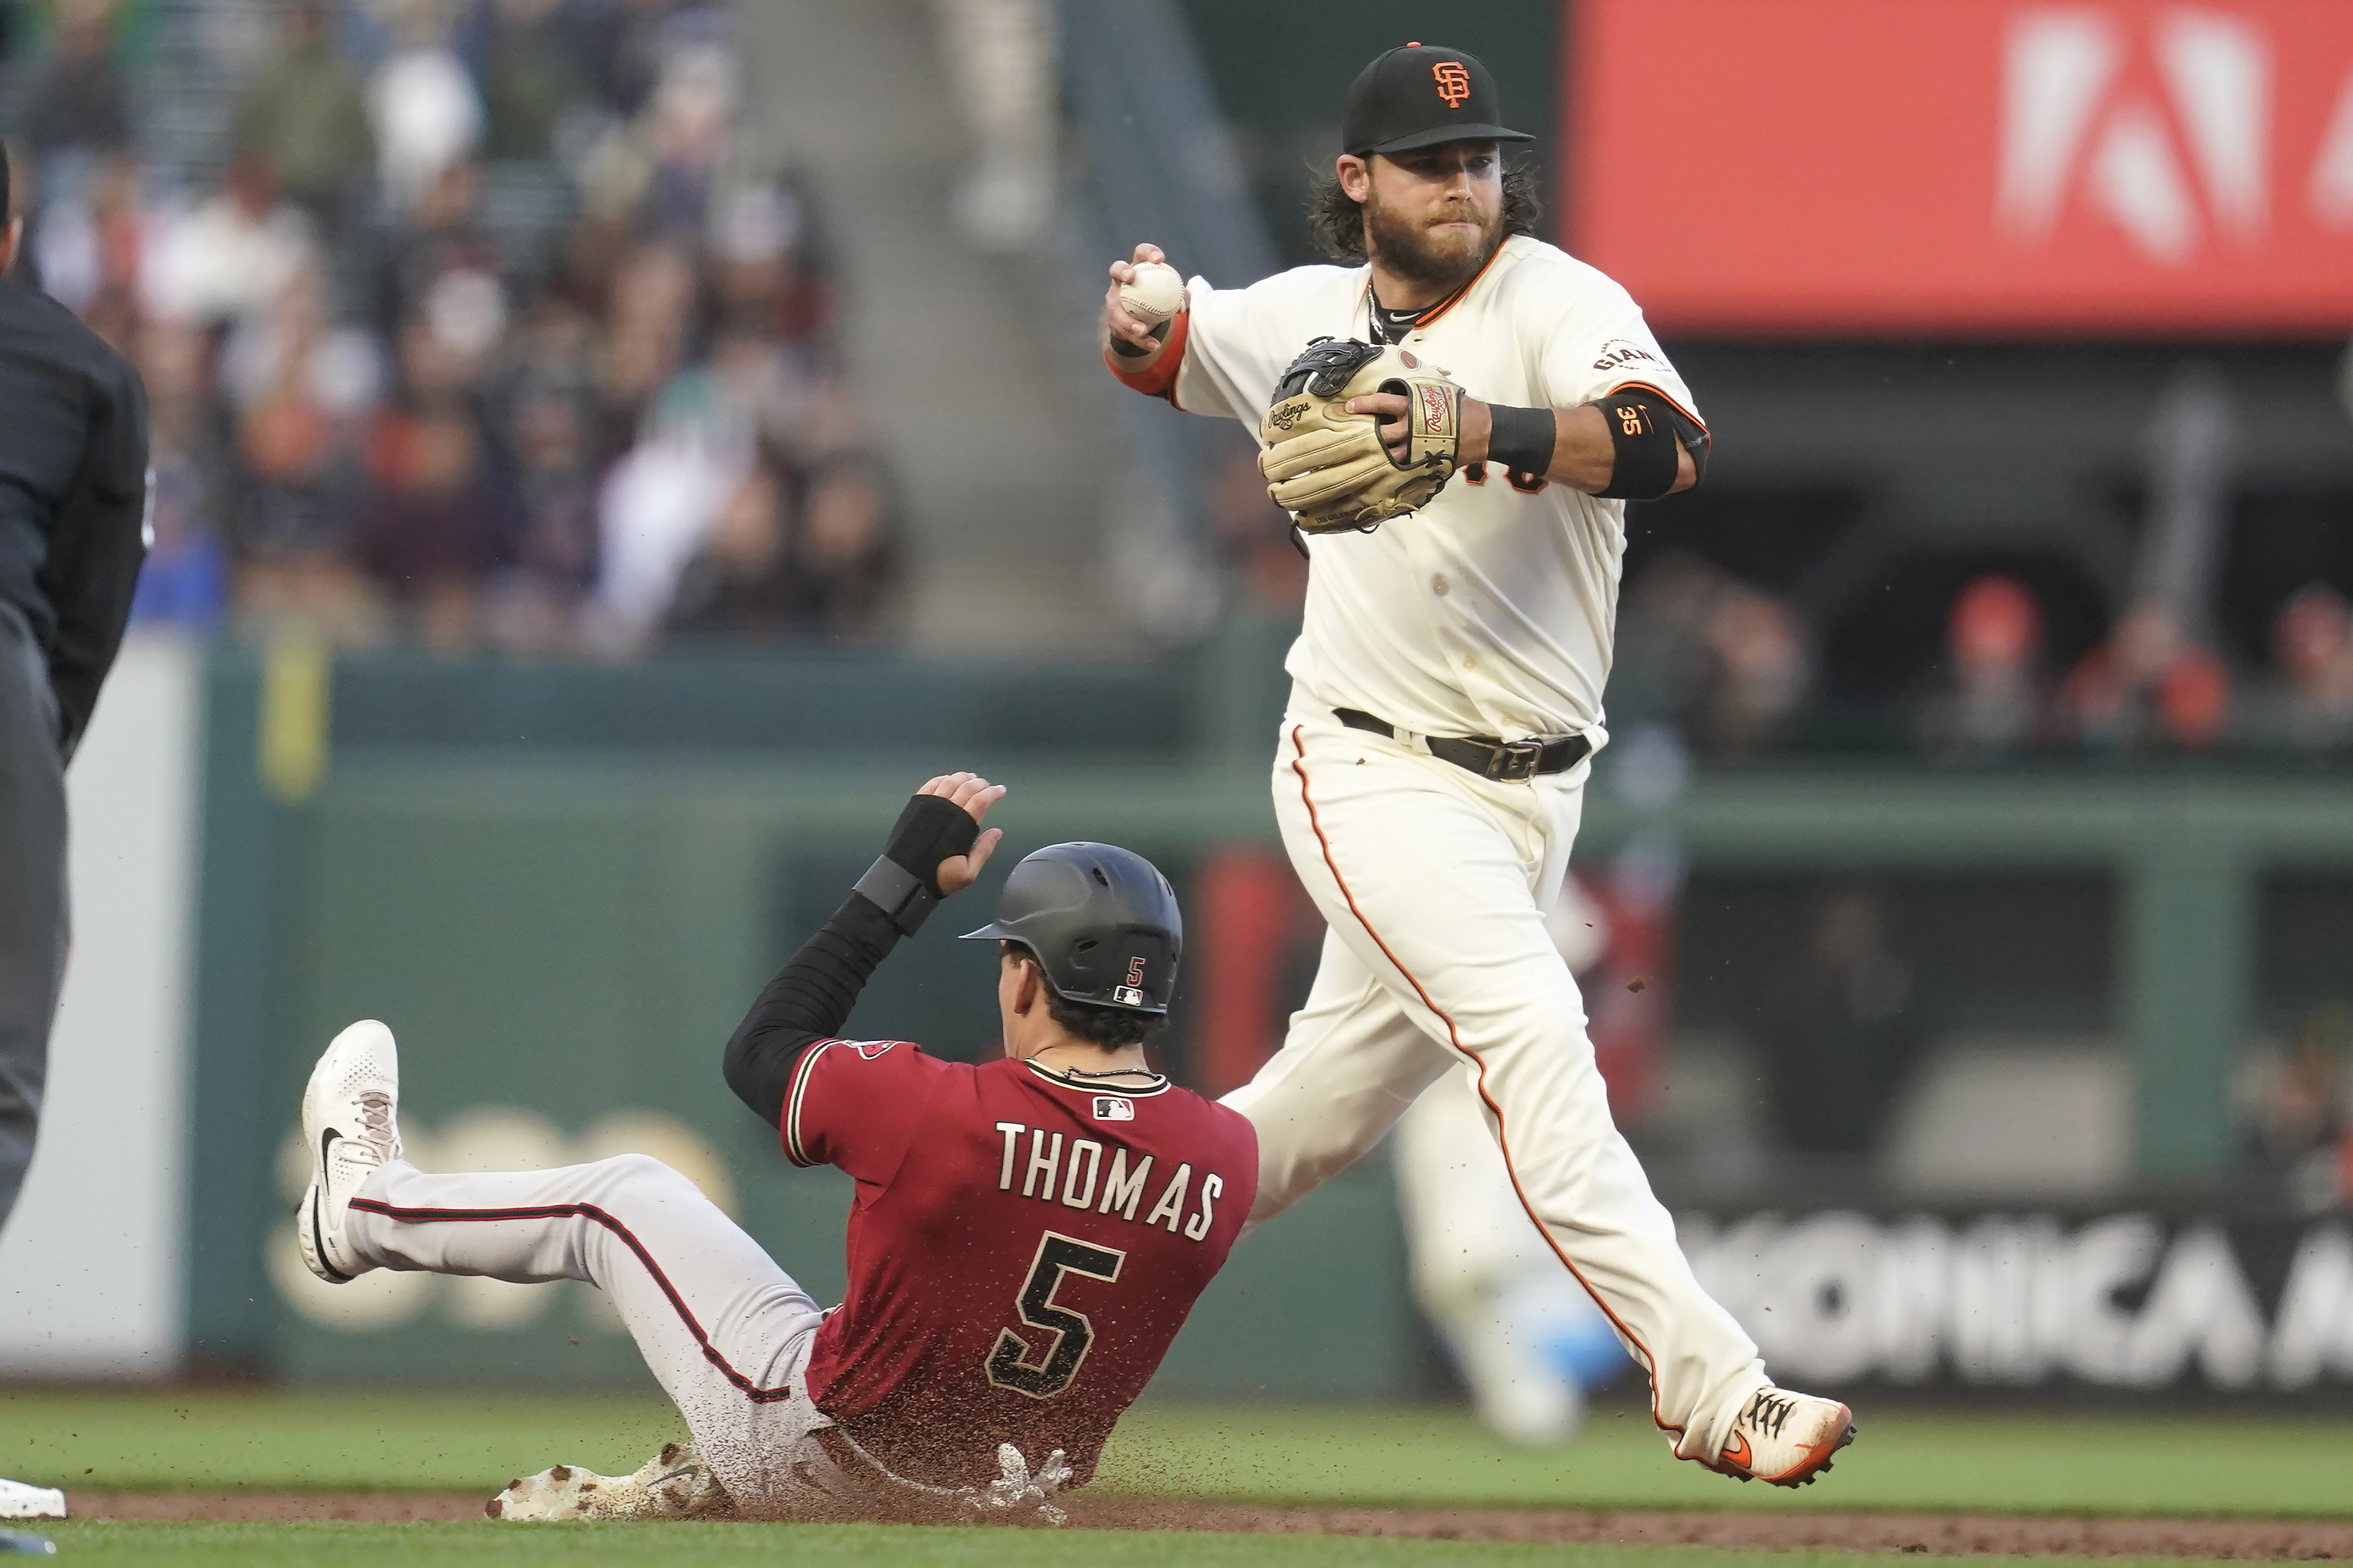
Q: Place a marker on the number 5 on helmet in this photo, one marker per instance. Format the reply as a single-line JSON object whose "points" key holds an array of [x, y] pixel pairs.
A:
{"points": [[1327, 467]]}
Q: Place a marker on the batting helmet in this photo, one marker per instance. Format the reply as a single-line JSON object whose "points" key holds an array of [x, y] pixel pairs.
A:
{"points": [[1103, 921]]}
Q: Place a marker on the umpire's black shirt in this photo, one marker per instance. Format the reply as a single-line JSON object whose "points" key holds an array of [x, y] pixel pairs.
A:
{"points": [[73, 493]]}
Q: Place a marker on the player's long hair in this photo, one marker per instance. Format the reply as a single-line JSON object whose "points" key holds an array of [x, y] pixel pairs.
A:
{"points": [[1336, 222]]}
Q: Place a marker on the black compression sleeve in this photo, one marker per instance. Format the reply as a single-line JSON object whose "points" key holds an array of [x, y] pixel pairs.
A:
{"points": [[809, 1000]]}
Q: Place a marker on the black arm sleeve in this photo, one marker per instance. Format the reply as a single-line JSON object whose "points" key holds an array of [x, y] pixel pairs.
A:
{"points": [[808, 1000], [98, 545]]}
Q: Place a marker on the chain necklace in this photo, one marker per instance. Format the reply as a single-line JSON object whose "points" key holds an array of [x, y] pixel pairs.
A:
{"points": [[1115, 1072]]}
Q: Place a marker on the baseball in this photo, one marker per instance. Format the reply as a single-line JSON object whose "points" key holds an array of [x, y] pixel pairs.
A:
{"points": [[1155, 295]]}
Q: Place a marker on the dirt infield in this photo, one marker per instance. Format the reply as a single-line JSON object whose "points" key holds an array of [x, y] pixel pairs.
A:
{"points": [[1944, 1533]]}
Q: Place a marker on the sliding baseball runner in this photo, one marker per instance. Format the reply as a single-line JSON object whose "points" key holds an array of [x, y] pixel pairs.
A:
{"points": [[1456, 424], [1026, 1239]]}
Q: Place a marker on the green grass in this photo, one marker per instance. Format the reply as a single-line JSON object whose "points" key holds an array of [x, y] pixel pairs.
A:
{"points": [[851, 1546], [472, 1440]]}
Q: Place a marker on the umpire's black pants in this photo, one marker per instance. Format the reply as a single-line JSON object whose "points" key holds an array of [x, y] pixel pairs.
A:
{"points": [[32, 892]]}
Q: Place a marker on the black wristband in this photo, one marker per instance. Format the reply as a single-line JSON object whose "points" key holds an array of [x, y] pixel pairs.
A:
{"points": [[906, 899], [1521, 439], [931, 829], [1647, 458]]}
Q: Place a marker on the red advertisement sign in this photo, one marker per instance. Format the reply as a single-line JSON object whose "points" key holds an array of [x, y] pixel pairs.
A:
{"points": [[1967, 165]]}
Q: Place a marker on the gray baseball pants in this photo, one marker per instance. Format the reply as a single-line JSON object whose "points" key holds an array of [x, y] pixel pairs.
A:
{"points": [[32, 892], [726, 1331]]}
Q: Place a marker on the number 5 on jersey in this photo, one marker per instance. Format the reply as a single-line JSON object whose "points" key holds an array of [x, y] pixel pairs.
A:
{"points": [[1012, 1364]]}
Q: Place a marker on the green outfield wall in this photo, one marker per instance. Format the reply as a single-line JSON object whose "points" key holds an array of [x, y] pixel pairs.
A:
{"points": [[561, 884]]}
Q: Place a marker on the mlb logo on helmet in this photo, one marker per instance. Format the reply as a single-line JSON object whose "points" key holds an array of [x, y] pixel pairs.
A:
{"points": [[1114, 1108]]}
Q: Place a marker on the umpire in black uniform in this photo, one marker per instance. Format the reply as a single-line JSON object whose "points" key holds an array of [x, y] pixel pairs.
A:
{"points": [[73, 531]]}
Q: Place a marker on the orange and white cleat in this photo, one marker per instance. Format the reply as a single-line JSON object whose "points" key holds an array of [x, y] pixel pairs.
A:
{"points": [[1784, 1438]]}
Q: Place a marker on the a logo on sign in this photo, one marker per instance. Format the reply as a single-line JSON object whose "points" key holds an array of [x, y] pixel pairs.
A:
{"points": [[1453, 82], [2170, 157], [1114, 1108]]}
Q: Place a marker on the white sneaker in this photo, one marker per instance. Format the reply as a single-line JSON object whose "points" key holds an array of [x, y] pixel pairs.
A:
{"points": [[1785, 1437], [18, 1500], [350, 1123], [673, 1484]]}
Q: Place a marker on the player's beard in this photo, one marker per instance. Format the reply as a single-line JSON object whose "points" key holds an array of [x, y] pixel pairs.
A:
{"points": [[1415, 252]]}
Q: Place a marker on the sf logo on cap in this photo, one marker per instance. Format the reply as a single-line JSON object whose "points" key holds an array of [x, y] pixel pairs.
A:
{"points": [[1453, 82]]}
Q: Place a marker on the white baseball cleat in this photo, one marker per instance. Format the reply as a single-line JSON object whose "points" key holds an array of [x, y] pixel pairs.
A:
{"points": [[19, 1500], [1785, 1439], [673, 1484], [351, 1125]]}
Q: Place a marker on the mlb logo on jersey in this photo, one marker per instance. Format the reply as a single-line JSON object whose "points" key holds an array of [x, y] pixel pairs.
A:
{"points": [[1114, 1108]]}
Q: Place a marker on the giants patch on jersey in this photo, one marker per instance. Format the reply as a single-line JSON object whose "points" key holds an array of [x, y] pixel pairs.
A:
{"points": [[1619, 351]]}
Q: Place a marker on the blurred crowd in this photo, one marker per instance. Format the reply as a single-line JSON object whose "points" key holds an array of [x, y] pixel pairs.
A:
{"points": [[608, 413], [1737, 668]]}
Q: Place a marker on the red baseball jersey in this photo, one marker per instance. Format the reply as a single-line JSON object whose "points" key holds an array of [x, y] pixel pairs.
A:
{"points": [[1022, 1249]]}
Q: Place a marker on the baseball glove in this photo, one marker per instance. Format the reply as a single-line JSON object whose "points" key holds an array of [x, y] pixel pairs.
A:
{"points": [[1326, 466]]}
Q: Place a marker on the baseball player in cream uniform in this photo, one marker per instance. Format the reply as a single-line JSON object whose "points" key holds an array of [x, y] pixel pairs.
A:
{"points": [[1447, 699]]}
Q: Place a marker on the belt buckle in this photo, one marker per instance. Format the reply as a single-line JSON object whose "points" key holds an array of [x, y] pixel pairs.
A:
{"points": [[1514, 761]]}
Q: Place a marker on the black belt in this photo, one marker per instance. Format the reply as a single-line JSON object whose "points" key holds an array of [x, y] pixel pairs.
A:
{"points": [[1506, 761]]}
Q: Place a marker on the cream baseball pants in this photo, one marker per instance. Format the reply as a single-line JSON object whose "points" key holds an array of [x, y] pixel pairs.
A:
{"points": [[1434, 884]]}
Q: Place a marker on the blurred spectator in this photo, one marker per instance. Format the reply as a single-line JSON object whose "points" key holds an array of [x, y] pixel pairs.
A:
{"points": [[424, 109], [1994, 701], [2149, 683], [1697, 649], [1253, 536], [429, 529], [1761, 671], [298, 390], [535, 74], [78, 102], [92, 239], [553, 553], [185, 578], [239, 247], [439, 239], [845, 558], [1840, 1033], [689, 129], [758, 270], [653, 511], [305, 117], [2312, 639], [741, 580], [647, 334], [2303, 1130]]}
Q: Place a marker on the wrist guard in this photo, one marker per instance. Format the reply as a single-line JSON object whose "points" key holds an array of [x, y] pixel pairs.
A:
{"points": [[904, 883], [1521, 439]]}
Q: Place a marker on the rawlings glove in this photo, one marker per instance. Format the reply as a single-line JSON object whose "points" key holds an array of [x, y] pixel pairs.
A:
{"points": [[1326, 466]]}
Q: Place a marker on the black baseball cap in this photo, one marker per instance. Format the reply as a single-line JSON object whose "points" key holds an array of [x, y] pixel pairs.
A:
{"points": [[1419, 96]]}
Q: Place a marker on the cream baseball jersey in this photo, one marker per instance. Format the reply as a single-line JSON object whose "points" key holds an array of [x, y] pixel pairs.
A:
{"points": [[1491, 610]]}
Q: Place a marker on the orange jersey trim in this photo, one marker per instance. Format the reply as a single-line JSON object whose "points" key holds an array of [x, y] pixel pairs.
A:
{"points": [[1455, 1035], [1431, 318], [1160, 380]]}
